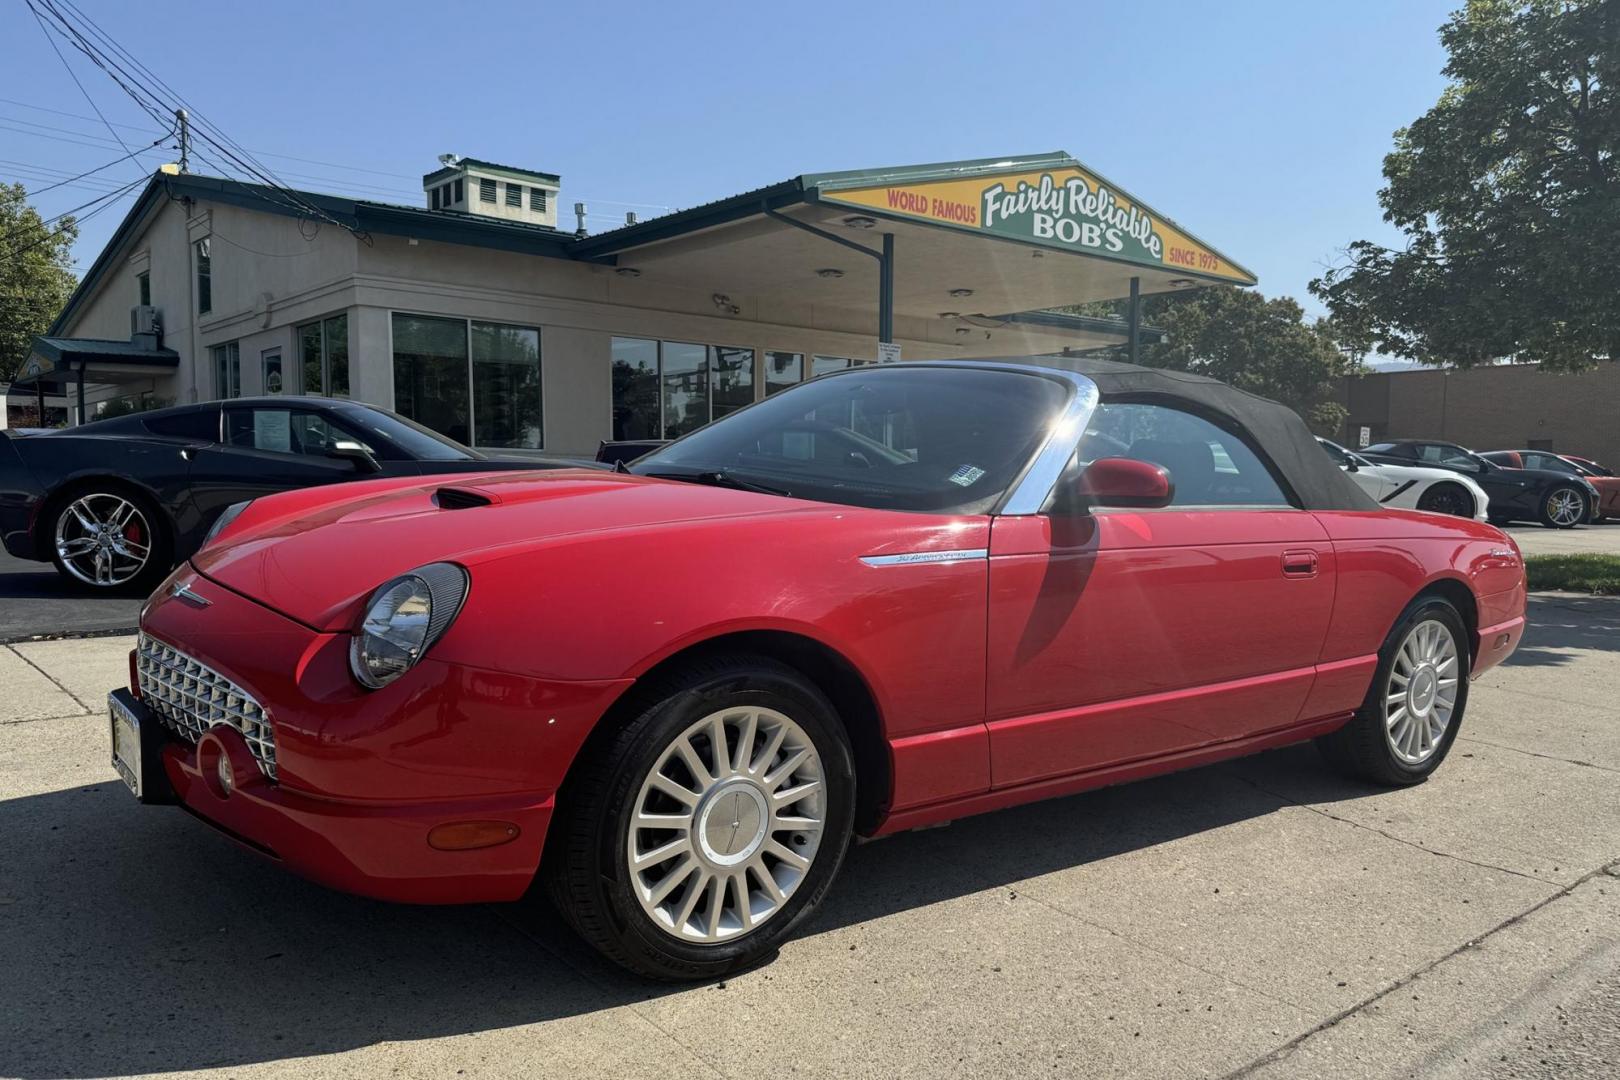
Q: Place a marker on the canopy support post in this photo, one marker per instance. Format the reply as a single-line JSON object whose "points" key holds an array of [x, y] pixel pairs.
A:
{"points": [[39, 396], [81, 393], [885, 260], [886, 291], [1134, 342]]}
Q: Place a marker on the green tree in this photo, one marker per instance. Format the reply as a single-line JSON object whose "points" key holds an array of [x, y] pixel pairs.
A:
{"points": [[1239, 337], [35, 274], [1508, 193]]}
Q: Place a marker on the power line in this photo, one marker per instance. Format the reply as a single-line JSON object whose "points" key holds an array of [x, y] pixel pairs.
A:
{"points": [[116, 62], [74, 76], [90, 172], [107, 200]]}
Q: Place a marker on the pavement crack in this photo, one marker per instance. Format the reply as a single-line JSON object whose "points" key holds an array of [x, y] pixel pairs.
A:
{"points": [[1286, 1050], [1532, 753], [54, 681], [1389, 835]]}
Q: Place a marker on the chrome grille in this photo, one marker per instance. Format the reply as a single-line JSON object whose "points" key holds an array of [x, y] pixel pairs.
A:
{"points": [[192, 697]]}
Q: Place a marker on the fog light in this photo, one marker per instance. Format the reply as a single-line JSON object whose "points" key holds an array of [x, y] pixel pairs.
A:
{"points": [[227, 777], [467, 835]]}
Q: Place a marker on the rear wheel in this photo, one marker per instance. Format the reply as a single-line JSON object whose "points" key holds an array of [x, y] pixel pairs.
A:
{"points": [[1446, 498], [109, 538], [1564, 507], [694, 840], [1407, 723]]}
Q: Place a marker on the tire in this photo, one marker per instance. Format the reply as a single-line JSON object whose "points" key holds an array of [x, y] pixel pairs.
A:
{"points": [[131, 556], [1375, 745], [1445, 498], [1564, 507], [661, 920]]}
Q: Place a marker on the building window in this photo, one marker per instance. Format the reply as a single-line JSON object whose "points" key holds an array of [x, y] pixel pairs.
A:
{"points": [[459, 191], [514, 195], [537, 199], [434, 198], [665, 389], [323, 354], [820, 365], [227, 370], [782, 370], [506, 386], [270, 371], [731, 372], [143, 287], [477, 382], [205, 278], [635, 389], [486, 191]]}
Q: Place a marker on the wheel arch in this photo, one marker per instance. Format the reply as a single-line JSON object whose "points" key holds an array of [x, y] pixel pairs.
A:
{"points": [[82, 482], [826, 668], [1456, 592], [1461, 488]]}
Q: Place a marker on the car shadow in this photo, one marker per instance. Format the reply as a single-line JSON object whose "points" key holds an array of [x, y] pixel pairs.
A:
{"points": [[1560, 626], [137, 940], [37, 601]]}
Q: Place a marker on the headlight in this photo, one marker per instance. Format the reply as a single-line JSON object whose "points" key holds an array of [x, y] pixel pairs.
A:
{"points": [[232, 512], [403, 619]]}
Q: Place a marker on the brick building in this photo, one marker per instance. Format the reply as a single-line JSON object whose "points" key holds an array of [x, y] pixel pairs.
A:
{"points": [[1506, 407]]}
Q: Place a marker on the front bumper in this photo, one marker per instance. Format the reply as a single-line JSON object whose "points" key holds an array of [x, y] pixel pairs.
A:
{"points": [[362, 778]]}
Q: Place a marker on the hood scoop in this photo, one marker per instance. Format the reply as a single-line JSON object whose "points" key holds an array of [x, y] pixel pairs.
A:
{"points": [[454, 498]]}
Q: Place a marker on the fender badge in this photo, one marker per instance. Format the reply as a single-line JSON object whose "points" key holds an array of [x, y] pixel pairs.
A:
{"points": [[182, 591]]}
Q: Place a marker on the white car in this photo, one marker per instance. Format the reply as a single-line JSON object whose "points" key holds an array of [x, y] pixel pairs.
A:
{"points": [[1440, 491]]}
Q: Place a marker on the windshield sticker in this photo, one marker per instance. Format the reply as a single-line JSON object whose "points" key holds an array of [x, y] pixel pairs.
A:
{"points": [[966, 475]]}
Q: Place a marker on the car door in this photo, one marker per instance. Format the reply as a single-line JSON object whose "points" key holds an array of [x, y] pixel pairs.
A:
{"points": [[1126, 634], [267, 448]]}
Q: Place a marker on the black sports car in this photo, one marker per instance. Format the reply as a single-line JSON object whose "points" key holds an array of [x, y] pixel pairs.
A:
{"points": [[117, 503], [1558, 500]]}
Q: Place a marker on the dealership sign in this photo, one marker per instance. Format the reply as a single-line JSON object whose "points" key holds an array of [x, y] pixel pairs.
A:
{"points": [[1064, 207]]}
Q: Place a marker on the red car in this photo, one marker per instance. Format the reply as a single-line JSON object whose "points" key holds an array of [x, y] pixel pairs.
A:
{"points": [[883, 599]]}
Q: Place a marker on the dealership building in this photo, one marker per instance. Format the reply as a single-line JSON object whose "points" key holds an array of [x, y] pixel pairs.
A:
{"points": [[482, 315]]}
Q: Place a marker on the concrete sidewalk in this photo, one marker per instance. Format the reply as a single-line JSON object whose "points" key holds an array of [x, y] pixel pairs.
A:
{"points": [[1261, 918]]}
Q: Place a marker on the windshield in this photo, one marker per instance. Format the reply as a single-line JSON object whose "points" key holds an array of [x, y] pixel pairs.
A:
{"points": [[946, 440], [423, 444]]}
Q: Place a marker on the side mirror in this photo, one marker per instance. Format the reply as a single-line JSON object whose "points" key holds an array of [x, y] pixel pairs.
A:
{"points": [[1351, 466], [1121, 482], [355, 453]]}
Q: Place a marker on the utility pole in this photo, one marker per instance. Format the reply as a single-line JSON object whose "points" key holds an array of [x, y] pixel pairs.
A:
{"points": [[185, 139]]}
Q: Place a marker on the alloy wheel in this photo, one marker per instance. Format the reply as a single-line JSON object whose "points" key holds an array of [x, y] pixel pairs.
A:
{"points": [[1444, 499], [726, 825], [1421, 693], [1565, 507], [103, 540]]}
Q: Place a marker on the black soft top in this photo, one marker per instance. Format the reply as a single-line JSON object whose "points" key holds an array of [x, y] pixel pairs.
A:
{"points": [[1277, 432]]}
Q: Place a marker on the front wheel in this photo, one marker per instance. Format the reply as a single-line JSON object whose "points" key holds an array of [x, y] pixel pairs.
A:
{"points": [[1563, 508], [1447, 499], [691, 843], [1412, 711]]}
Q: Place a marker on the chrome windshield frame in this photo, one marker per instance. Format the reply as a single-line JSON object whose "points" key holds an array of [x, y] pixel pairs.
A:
{"points": [[1027, 494]]}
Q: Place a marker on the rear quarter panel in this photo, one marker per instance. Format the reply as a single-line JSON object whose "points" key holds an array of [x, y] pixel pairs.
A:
{"points": [[1386, 558]]}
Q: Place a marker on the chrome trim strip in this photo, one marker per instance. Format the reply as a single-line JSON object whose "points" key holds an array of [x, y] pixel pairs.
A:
{"points": [[912, 557]]}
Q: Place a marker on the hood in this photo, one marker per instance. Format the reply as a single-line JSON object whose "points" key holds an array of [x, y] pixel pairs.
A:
{"points": [[315, 555]]}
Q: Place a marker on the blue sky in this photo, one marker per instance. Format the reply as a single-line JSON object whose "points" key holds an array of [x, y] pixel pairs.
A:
{"points": [[1260, 125]]}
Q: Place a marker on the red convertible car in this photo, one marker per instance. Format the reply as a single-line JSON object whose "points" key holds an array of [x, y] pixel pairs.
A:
{"points": [[883, 599]]}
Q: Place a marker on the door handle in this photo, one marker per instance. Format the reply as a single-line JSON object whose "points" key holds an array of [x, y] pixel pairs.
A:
{"points": [[1299, 564]]}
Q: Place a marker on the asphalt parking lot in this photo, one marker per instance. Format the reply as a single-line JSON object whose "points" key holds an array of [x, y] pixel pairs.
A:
{"points": [[36, 601], [1263, 918]]}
